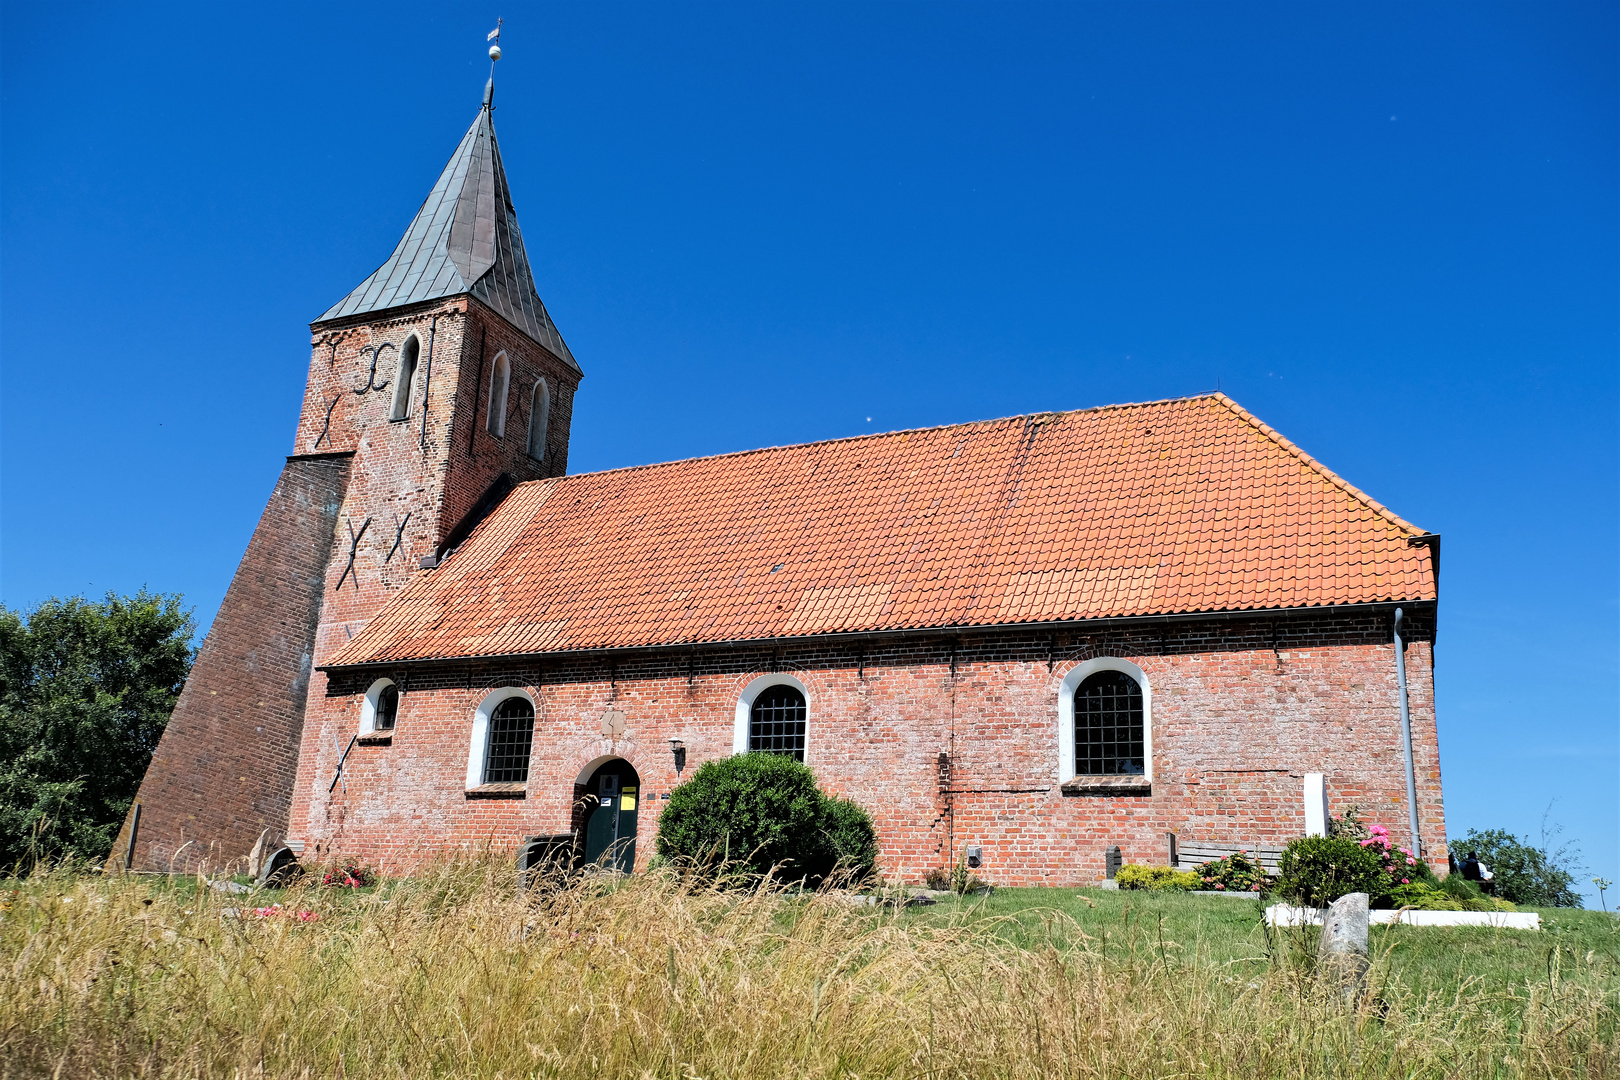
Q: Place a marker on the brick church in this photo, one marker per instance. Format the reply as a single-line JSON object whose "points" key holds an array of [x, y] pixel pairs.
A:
{"points": [[1032, 639]]}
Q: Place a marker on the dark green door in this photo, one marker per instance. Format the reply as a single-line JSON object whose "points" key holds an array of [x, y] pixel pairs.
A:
{"points": [[611, 800]]}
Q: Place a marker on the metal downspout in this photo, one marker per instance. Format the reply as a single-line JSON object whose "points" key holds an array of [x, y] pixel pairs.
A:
{"points": [[1406, 738]]}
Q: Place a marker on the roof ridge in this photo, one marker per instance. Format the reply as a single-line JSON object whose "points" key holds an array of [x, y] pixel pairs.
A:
{"points": [[877, 435], [1332, 477]]}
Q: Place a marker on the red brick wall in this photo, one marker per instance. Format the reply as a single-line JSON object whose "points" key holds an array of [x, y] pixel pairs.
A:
{"points": [[225, 767], [1241, 710], [434, 478], [223, 771]]}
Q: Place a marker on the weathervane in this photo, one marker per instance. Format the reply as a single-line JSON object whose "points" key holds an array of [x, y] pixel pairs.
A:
{"points": [[494, 55], [495, 49]]}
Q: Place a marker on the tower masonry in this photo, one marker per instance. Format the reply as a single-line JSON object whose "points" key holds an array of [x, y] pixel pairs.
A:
{"points": [[434, 387]]}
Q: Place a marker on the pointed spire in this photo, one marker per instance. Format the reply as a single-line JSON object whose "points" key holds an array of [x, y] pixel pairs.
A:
{"points": [[464, 239]]}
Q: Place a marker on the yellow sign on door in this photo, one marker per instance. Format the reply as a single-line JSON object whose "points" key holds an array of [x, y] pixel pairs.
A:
{"points": [[627, 802]]}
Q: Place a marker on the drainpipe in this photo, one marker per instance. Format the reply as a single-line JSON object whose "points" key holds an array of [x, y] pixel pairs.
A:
{"points": [[1406, 738]]}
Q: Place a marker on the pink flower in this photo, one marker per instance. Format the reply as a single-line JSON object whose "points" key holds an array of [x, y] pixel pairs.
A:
{"points": [[1406, 881], [1220, 886]]}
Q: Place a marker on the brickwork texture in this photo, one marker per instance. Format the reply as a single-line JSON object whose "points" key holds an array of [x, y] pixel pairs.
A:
{"points": [[1240, 711], [223, 771]]}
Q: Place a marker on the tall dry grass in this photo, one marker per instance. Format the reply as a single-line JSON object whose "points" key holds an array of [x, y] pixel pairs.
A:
{"points": [[453, 974]]}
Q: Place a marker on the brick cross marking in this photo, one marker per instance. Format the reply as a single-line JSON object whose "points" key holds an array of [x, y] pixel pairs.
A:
{"points": [[328, 425], [354, 545], [371, 379], [399, 533], [343, 755]]}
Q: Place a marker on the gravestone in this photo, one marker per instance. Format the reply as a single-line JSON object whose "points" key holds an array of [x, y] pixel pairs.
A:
{"points": [[1342, 949]]}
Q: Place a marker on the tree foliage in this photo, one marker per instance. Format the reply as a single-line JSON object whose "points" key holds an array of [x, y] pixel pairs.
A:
{"points": [[1524, 873], [759, 811], [86, 688]]}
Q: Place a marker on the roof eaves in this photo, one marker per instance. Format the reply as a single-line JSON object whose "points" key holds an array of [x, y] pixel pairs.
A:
{"points": [[943, 630]]}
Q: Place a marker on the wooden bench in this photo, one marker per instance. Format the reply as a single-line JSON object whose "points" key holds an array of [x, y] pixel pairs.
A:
{"points": [[1191, 854]]}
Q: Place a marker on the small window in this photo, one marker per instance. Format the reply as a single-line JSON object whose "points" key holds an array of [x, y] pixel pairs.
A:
{"points": [[405, 378], [1108, 738], [511, 733], [387, 709], [539, 413], [498, 381], [776, 724], [379, 709]]}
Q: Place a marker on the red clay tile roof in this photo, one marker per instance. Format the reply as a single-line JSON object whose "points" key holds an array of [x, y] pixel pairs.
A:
{"points": [[1175, 506]]}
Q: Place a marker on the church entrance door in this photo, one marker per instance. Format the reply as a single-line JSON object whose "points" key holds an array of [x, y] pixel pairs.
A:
{"points": [[612, 795]]}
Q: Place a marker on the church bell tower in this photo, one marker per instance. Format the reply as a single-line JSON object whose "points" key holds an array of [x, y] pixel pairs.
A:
{"points": [[434, 386]]}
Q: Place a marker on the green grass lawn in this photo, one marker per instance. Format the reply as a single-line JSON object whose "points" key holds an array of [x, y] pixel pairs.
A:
{"points": [[454, 973], [1227, 933]]}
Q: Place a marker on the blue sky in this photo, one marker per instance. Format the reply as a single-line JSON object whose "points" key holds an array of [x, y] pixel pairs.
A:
{"points": [[1388, 230]]}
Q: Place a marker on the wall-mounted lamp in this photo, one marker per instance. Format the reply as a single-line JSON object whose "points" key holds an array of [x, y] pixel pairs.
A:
{"points": [[678, 748]]}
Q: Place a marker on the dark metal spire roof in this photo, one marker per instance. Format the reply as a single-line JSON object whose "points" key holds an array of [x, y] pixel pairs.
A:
{"points": [[465, 239]]}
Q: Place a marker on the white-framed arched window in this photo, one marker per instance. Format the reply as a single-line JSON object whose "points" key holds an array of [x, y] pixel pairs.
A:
{"points": [[1105, 721], [773, 715], [539, 414], [405, 378], [379, 709], [499, 380], [502, 738]]}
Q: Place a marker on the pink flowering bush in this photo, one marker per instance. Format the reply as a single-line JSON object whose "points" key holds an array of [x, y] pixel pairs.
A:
{"points": [[350, 875], [1317, 870], [1238, 872], [1399, 864]]}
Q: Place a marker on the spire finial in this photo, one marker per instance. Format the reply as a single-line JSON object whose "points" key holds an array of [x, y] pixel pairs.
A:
{"points": [[494, 55]]}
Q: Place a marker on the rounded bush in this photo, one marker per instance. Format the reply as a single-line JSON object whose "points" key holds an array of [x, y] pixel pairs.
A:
{"points": [[757, 811], [1159, 878], [1317, 870], [851, 838]]}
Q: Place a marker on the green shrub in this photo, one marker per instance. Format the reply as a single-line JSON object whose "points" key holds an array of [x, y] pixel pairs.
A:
{"points": [[1425, 897], [754, 812], [1524, 873], [1317, 870], [1162, 878], [1233, 873], [850, 837]]}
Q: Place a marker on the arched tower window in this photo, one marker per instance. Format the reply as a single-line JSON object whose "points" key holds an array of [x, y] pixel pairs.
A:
{"points": [[776, 722], [387, 709], [511, 734], [405, 378], [1108, 726], [539, 414], [379, 710], [498, 382]]}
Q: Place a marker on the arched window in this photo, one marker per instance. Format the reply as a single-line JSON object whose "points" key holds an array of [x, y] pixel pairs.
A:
{"points": [[387, 709], [405, 378], [539, 413], [1109, 738], [511, 733], [776, 722], [380, 709], [498, 380]]}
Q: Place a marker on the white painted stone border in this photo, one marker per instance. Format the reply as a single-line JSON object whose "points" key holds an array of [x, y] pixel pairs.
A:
{"points": [[1284, 915]]}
